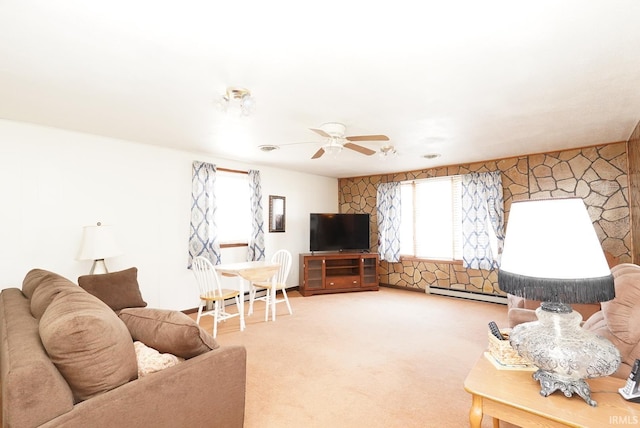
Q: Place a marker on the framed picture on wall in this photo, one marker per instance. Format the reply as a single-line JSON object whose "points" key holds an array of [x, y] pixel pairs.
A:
{"points": [[277, 213]]}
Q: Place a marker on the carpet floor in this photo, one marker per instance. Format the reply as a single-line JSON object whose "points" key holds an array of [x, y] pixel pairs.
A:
{"points": [[391, 358]]}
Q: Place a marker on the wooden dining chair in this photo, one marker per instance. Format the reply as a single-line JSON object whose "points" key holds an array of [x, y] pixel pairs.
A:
{"points": [[277, 283], [212, 295]]}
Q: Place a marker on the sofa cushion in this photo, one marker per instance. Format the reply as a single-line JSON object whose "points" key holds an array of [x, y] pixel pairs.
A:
{"points": [[88, 344], [119, 290], [44, 294], [34, 278], [168, 331]]}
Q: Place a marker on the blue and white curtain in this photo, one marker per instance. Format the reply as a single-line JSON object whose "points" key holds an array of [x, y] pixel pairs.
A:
{"points": [[482, 216], [388, 210], [203, 234], [256, 240]]}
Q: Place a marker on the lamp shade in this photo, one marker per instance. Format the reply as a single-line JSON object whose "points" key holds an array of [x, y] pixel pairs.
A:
{"points": [[98, 243], [552, 253]]}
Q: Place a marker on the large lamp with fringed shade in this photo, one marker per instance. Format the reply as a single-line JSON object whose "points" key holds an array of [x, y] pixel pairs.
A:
{"points": [[552, 254]]}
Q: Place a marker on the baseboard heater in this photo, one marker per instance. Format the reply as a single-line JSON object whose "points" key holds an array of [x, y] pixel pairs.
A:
{"points": [[467, 295], [470, 295]]}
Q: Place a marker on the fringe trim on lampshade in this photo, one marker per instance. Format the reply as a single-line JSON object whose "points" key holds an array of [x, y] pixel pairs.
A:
{"points": [[561, 290]]}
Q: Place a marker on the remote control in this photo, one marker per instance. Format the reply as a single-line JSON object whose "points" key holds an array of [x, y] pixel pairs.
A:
{"points": [[495, 330]]}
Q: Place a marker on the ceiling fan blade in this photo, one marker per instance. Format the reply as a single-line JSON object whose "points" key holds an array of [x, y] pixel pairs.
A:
{"points": [[368, 138], [319, 153], [359, 149], [320, 132]]}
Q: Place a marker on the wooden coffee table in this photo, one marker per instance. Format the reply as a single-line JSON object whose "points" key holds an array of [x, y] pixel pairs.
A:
{"points": [[514, 396]]}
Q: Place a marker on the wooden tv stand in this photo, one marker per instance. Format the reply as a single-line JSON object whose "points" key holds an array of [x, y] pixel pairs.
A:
{"points": [[322, 273]]}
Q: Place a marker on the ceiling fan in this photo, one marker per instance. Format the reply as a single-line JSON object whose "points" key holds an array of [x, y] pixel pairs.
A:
{"points": [[336, 140]]}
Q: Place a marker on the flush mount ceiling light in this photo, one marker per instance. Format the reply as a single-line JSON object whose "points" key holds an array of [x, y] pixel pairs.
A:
{"points": [[239, 100], [268, 147], [387, 151]]}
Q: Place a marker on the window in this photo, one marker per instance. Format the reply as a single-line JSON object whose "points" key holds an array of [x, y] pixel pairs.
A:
{"points": [[431, 220], [233, 207]]}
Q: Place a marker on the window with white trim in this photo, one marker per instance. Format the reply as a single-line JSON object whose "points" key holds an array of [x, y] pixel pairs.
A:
{"points": [[233, 207], [431, 218]]}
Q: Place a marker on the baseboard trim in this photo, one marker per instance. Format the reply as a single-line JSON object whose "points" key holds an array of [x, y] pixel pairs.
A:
{"points": [[461, 294], [399, 287]]}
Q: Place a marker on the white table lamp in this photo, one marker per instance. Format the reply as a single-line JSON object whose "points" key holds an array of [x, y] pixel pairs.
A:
{"points": [[98, 244]]}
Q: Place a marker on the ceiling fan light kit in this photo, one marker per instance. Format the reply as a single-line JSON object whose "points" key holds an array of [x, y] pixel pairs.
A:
{"points": [[333, 149], [239, 100]]}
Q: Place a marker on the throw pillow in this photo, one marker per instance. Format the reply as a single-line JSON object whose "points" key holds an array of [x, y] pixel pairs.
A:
{"points": [[151, 361], [88, 344], [119, 290], [168, 331]]}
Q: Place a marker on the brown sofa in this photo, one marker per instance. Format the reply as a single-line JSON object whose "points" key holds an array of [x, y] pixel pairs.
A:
{"points": [[520, 310], [67, 358], [619, 319]]}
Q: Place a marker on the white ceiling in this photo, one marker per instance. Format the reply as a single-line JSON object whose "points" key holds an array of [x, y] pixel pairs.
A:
{"points": [[471, 80]]}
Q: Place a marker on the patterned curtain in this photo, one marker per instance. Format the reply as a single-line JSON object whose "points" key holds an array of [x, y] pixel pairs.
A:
{"points": [[203, 235], [482, 215], [256, 240], [388, 200]]}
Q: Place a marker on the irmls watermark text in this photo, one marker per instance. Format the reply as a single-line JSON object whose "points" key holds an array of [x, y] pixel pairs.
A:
{"points": [[623, 420]]}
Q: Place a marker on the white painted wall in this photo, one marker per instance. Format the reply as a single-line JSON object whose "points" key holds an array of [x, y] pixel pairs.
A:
{"points": [[53, 182]]}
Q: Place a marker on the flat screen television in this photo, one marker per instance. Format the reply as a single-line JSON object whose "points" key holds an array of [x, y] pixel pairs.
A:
{"points": [[339, 232]]}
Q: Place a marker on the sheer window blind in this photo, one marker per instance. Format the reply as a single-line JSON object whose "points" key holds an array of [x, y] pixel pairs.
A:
{"points": [[431, 219]]}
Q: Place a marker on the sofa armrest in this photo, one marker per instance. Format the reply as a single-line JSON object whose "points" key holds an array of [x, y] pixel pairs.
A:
{"points": [[204, 391], [517, 316], [514, 301], [33, 390]]}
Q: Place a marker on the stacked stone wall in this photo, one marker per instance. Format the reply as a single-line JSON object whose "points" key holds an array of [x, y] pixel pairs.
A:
{"points": [[596, 174]]}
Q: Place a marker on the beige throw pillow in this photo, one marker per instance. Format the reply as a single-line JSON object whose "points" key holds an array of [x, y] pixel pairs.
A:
{"points": [[118, 290], [89, 345], [151, 361], [168, 331]]}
